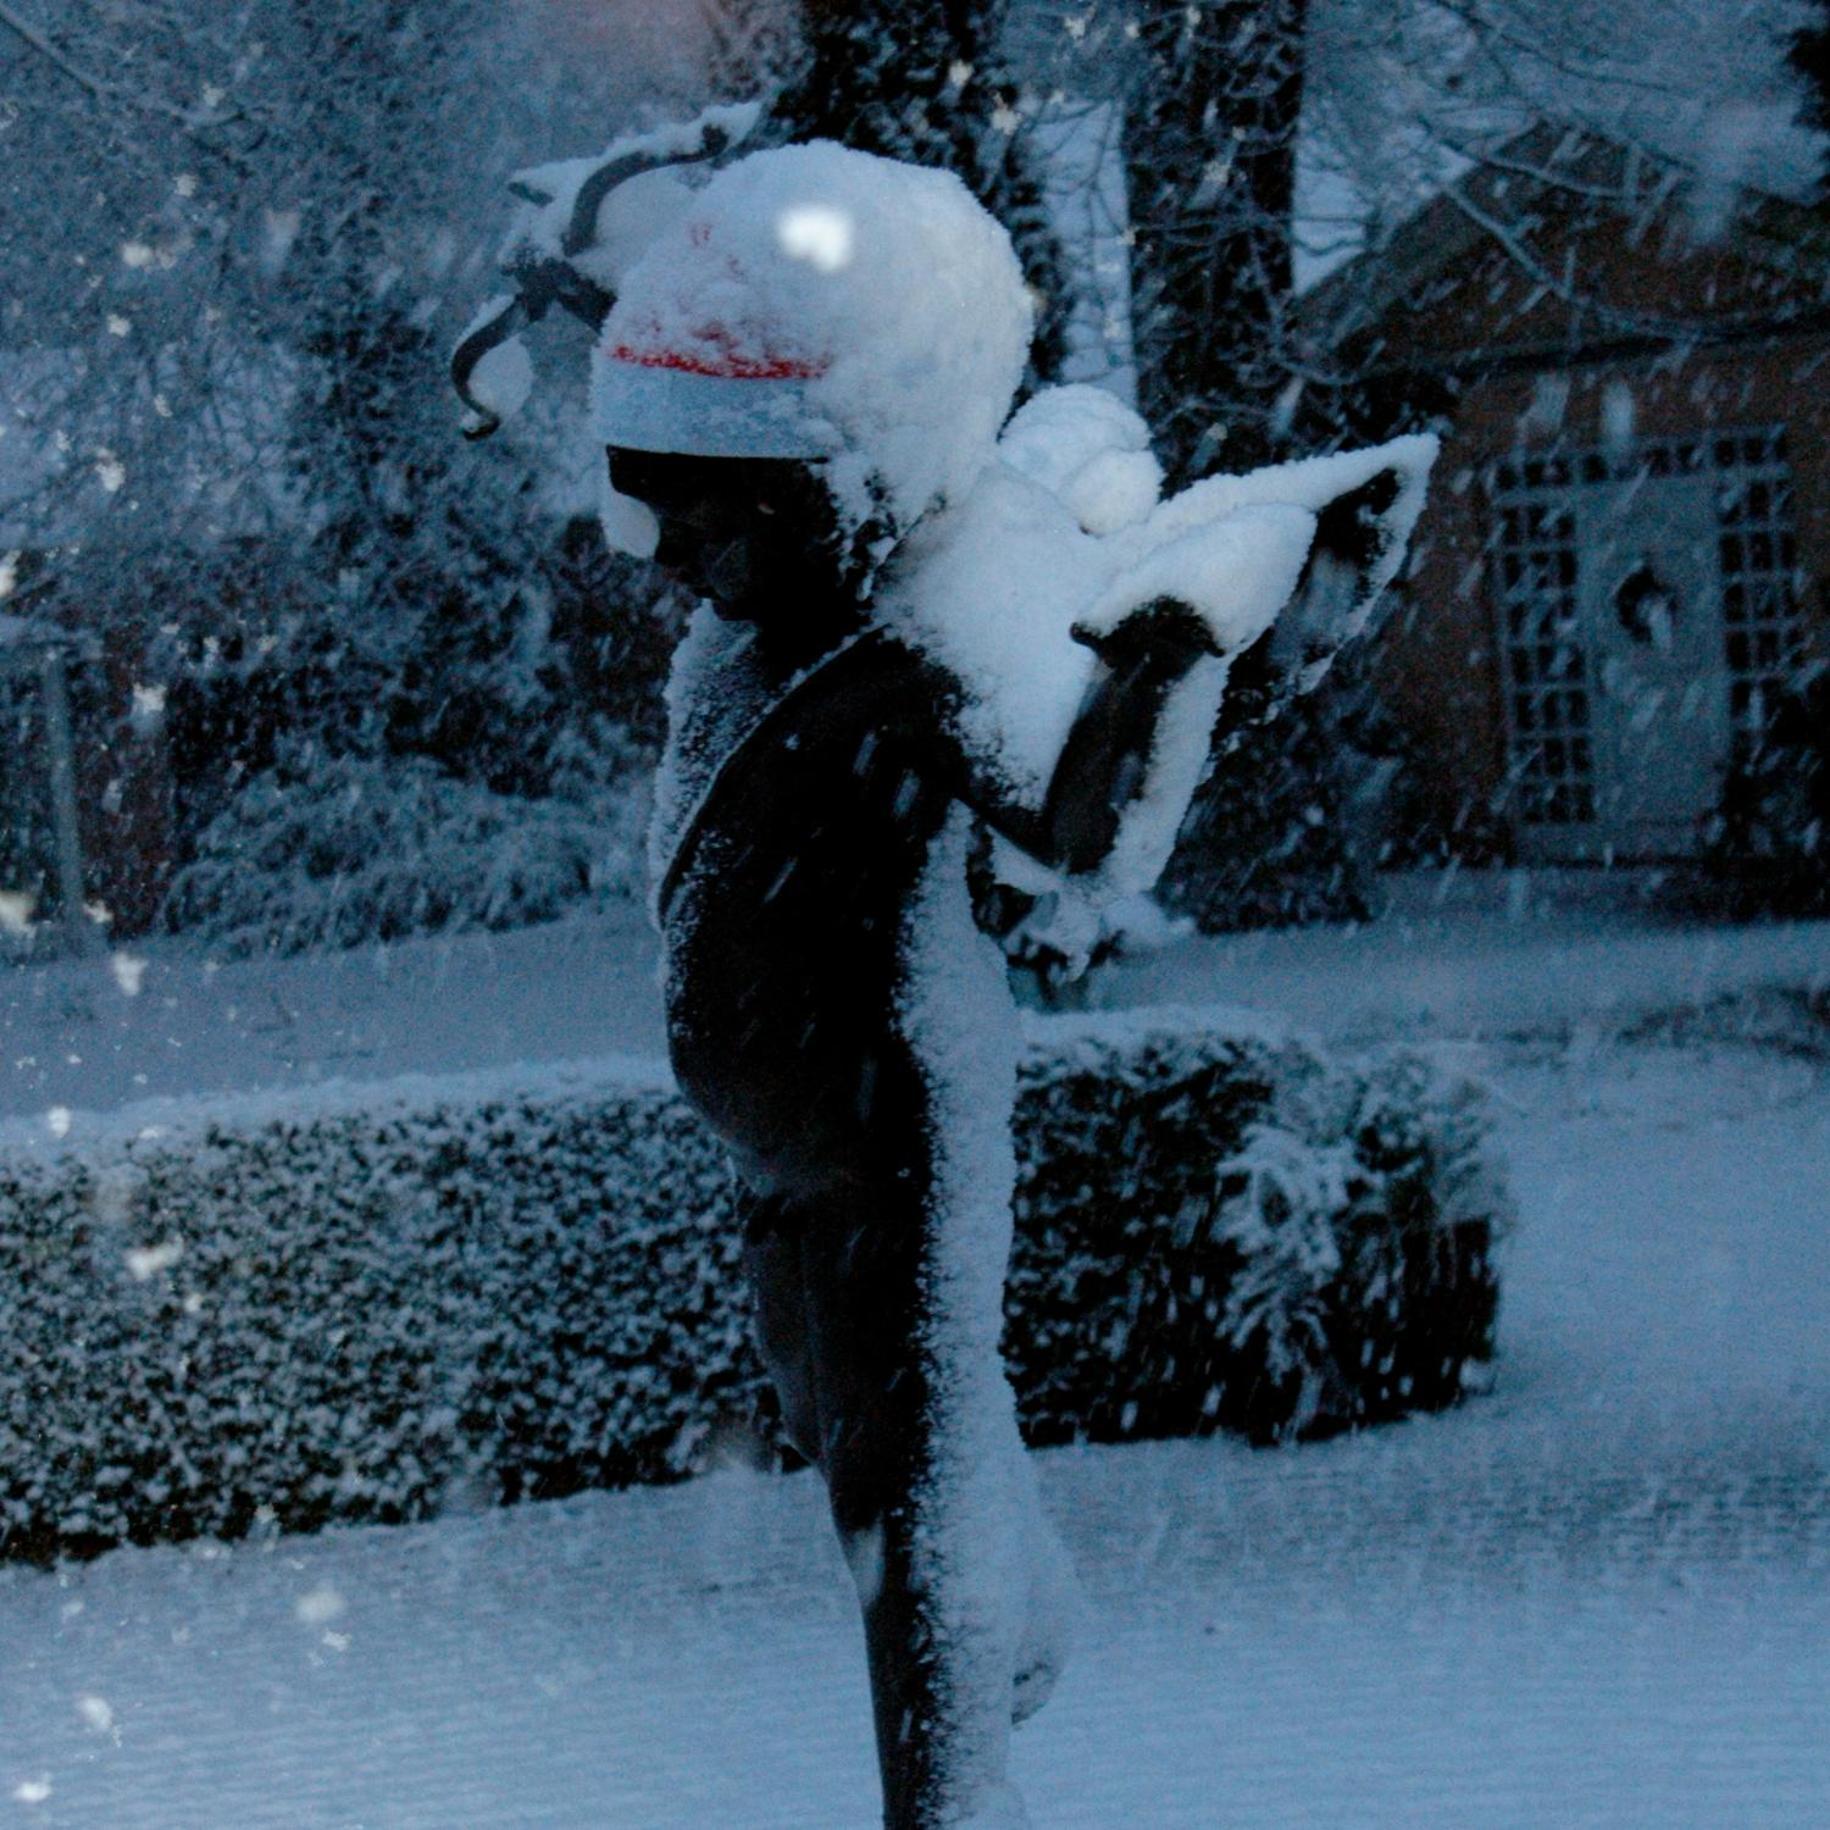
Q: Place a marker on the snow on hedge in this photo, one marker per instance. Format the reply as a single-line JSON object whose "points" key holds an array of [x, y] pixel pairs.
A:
{"points": [[330, 851], [377, 1304]]}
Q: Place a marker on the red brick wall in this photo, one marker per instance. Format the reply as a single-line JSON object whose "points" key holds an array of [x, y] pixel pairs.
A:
{"points": [[1439, 669]]}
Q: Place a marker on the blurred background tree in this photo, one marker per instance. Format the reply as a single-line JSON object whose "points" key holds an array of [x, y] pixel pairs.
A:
{"points": [[242, 238], [249, 472]]}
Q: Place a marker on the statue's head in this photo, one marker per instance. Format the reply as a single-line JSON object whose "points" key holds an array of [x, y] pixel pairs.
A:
{"points": [[817, 352], [754, 535]]}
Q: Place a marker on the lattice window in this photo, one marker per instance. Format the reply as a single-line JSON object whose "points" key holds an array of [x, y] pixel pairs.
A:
{"points": [[1762, 625], [1553, 762]]}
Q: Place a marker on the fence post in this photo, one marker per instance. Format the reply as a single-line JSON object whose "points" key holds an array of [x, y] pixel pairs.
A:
{"points": [[61, 758]]}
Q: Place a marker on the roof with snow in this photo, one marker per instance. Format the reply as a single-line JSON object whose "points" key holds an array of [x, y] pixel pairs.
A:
{"points": [[1549, 185]]}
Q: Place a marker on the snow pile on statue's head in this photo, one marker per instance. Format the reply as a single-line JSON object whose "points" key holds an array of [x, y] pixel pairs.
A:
{"points": [[820, 303]]}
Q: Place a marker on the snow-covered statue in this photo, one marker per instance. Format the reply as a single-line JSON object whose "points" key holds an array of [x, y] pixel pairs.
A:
{"points": [[928, 628]]}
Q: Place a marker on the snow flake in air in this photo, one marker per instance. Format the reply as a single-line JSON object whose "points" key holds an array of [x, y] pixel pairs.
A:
{"points": [[96, 1712], [146, 1262], [319, 1608]]}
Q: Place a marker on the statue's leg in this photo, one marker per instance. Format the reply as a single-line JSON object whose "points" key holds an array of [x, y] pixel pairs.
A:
{"points": [[773, 1228], [862, 1277], [880, 1268], [842, 1278], [934, 1582]]}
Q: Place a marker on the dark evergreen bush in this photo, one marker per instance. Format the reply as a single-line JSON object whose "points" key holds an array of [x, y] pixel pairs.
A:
{"points": [[1292, 821], [1215, 1232], [1769, 846]]}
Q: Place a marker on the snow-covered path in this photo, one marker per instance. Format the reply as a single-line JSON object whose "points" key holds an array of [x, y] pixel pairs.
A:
{"points": [[1600, 1595]]}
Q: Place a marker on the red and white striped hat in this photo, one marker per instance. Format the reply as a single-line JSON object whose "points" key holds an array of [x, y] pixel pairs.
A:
{"points": [[711, 395], [820, 303]]}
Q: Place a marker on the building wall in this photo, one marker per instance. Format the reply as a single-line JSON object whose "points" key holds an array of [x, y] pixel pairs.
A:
{"points": [[1440, 667]]}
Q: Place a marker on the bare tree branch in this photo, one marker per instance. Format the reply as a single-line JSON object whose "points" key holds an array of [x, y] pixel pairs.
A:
{"points": [[98, 90]]}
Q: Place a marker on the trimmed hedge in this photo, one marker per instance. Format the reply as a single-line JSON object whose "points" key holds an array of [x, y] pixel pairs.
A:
{"points": [[1221, 1230], [388, 1302]]}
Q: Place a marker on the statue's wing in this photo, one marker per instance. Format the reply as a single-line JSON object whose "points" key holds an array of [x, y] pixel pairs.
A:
{"points": [[1365, 505]]}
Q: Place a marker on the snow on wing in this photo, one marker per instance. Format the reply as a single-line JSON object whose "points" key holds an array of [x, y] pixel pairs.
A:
{"points": [[1063, 538]]}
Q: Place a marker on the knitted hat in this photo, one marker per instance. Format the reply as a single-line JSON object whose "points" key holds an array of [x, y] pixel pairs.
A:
{"points": [[823, 304], [716, 402]]}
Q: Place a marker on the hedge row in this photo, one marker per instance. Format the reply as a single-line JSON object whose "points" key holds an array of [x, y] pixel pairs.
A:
{"points": [[471, 1292]]}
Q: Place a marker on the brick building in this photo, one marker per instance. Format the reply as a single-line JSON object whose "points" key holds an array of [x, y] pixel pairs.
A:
{"points": [[1625, 554]]}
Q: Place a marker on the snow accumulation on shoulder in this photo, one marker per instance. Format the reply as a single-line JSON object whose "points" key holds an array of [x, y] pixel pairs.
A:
{"points": [[1087, 448], [883, 289]]}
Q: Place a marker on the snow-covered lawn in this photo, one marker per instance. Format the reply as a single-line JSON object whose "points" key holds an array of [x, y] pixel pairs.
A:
{"points": [[160, 1021], [1599, 1595], [157, 1020]]}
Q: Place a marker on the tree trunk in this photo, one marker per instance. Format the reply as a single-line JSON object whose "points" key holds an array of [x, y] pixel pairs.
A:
{"points": [[1210, 152], [923, 80]]}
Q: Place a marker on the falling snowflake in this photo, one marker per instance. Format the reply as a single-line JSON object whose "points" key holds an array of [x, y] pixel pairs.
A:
{"points": [[146, 1262], [320, 1607]]}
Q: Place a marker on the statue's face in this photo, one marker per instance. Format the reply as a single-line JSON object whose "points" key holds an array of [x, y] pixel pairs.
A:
{"points": [[757, 536]]}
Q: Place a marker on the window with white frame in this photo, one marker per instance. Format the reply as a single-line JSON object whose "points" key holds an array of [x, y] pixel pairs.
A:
{"points": [[1555, 535], [1546, 664]]}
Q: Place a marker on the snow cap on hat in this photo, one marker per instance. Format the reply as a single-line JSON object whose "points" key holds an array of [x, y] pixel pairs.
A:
{"points": [[824, 304]]}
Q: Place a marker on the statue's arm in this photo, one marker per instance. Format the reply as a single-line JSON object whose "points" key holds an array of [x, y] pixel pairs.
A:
{"points": [[1112, 747], [1105, 764]]}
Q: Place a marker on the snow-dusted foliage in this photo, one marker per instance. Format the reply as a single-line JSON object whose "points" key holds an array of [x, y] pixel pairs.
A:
{"points": [[376, 1306], [1253, 1239], [334, 851], [237, 462], [1414, 97], [1281, 1195], [363, 1310], [1769, 844]]}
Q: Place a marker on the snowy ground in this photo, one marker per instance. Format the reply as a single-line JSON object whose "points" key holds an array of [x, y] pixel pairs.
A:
{"points": [[1600, 1595], [159, 1021]]}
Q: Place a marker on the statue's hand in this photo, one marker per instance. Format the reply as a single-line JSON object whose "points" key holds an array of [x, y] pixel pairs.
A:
{"points": [[1165, 629]]}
